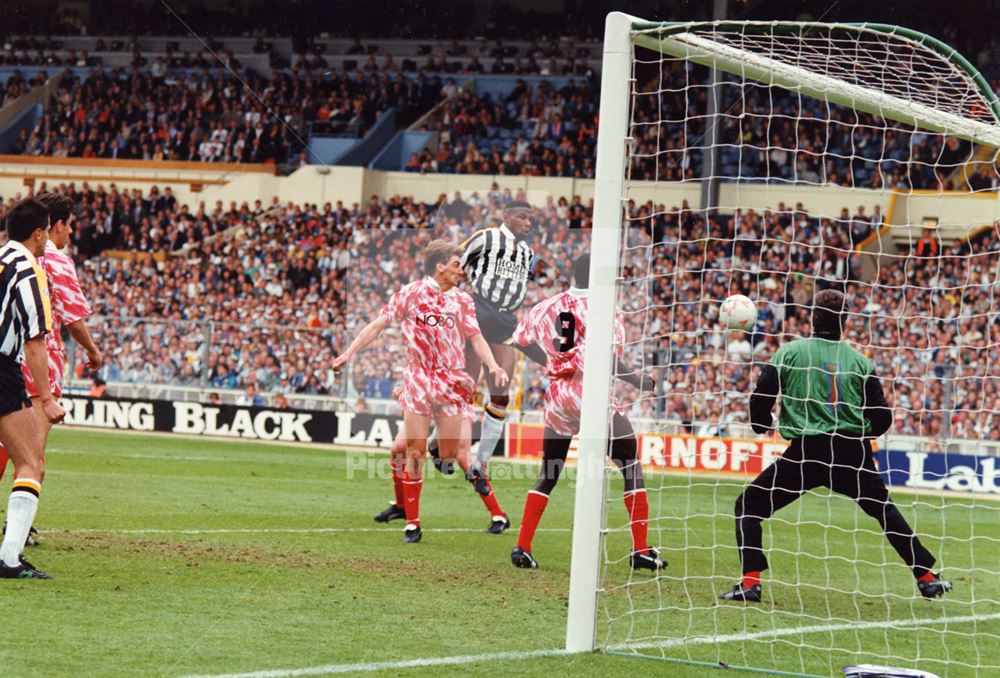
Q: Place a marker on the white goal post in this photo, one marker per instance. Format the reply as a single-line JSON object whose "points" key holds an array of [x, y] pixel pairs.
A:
{"points": [[594, 426], [896, 75]]}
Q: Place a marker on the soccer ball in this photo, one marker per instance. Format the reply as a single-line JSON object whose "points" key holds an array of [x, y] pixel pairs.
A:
{"points": [[738, 313]]}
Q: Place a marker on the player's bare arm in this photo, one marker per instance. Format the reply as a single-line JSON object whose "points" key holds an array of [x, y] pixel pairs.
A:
{"points": [[81, 335], [484, 354], [36, 357], [366, 336]]}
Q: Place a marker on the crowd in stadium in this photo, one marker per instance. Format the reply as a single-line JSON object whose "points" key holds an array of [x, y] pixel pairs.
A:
{"points": [[538, 130], [927, 322], [212, 116], [768, 133], [166, 111], [17, 86], [278, 269], [278, 276], [207, 285]]}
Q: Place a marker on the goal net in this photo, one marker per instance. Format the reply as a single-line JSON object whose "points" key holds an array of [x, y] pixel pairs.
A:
{"points": [[777, 160]]}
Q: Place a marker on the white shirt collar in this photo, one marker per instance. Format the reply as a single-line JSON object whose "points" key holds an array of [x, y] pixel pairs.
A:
{"points": [[18, 247], [504, 229], [578, 293]]}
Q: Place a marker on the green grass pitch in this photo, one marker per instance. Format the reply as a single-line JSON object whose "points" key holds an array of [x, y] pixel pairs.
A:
{"points": [[177, 557]]}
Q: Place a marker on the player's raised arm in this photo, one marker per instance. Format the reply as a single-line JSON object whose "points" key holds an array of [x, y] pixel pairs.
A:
{"points": [[366, 336], [394, 311]]}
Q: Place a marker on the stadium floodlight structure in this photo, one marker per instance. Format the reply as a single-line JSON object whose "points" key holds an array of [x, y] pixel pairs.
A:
{"points": [[822, 117]]}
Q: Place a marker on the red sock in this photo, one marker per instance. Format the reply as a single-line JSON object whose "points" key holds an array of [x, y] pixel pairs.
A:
{"points": [[490, 501], [751, 579], [534, 507], [927, 577], [412, 484], [638, 513], [4, 457], [397, 481]]}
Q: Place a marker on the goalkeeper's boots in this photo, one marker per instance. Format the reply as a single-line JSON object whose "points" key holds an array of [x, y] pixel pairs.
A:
{"points": [[935, 588], [498, 524], [412, 534], [24, 570], [394, 512], [647, 560], [746, 594], [33, 538], [523, 559], [478, 479]]}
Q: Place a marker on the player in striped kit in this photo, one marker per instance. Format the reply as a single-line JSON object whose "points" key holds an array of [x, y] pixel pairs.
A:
{"points": [[558, 326], [437, 320], [69, 310], [25, 317], [498, 264]]}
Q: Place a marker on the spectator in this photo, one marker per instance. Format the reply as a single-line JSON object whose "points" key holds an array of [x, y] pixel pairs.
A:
{"points": [[927, 246], [251, 396], [282, 280], [98, 389]]}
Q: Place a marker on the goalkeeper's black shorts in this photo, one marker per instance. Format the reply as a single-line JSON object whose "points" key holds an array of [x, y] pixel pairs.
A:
{"points": [[844, 464]]}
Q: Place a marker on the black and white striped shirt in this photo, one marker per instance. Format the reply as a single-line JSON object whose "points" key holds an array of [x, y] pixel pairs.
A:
{"points": [[498, 267], [25, 312]]}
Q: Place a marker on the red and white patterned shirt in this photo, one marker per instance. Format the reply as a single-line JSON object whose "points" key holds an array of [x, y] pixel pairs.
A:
{"points": [[559, 326], [68, 302], [435, 323]]}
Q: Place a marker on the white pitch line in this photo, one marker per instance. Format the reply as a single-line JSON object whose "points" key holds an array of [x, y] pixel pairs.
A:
{"points": [[821, 628], [388, 666], [306, 530], [331, 669]]}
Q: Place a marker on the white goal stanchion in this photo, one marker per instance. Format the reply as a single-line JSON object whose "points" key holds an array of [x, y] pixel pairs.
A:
{"points": [[855, 157]]}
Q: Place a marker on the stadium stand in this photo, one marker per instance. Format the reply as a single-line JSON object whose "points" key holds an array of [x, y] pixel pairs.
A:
{"points": [[212, 117], [522, 103], [250, 275], [535, 130], [534, 116]]}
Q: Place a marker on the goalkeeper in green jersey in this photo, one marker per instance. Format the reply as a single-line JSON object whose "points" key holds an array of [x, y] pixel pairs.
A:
{"points": [[832, 404]]}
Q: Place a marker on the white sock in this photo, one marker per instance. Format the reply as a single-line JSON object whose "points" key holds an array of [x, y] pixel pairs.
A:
{"points": [[21, 508], [489, 437]]}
